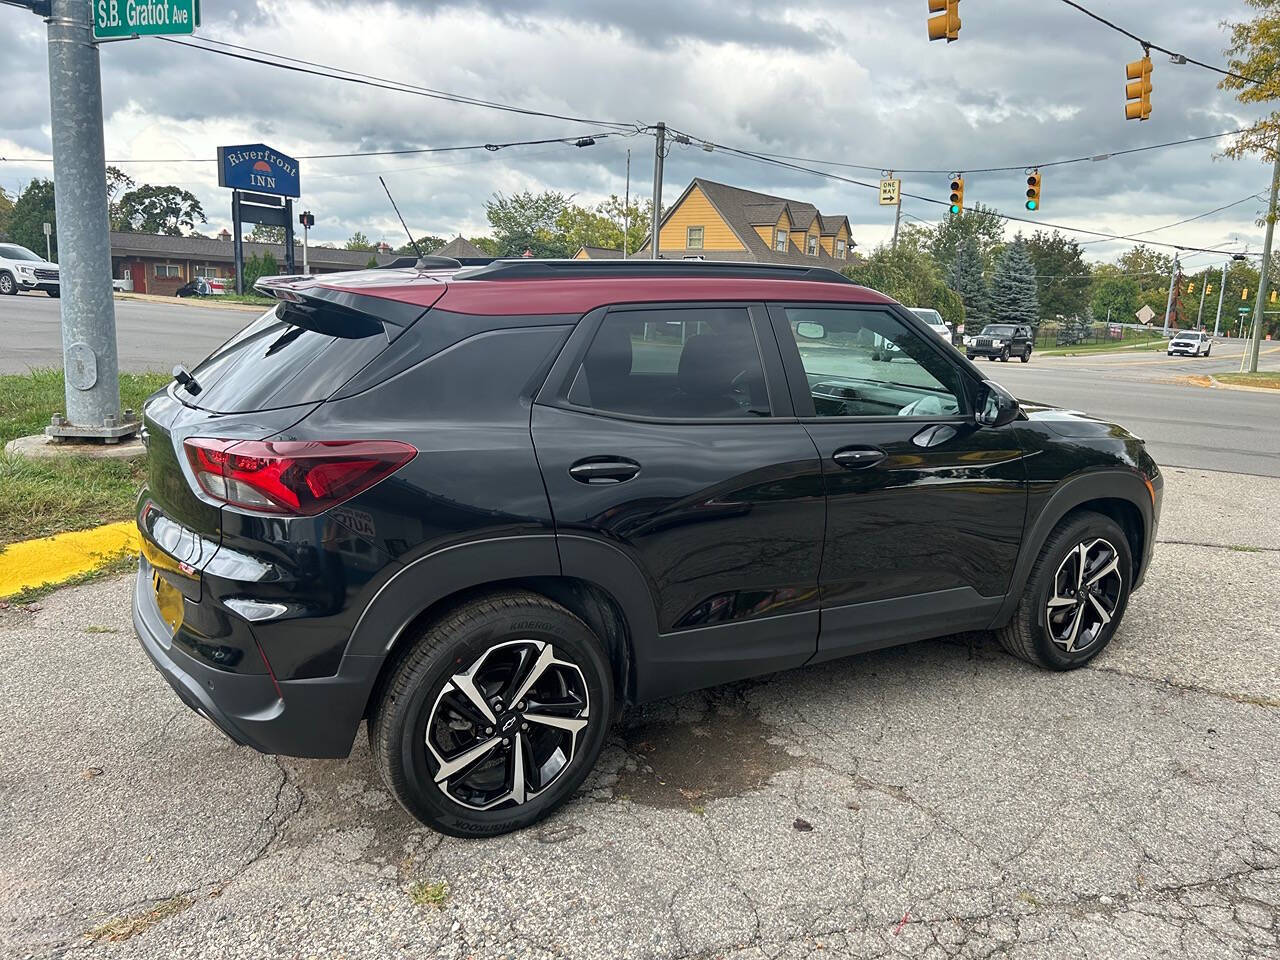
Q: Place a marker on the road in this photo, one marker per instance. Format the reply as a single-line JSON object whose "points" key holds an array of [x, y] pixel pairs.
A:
{"points": [[149, 336], [937, 800], [1185, 425]]}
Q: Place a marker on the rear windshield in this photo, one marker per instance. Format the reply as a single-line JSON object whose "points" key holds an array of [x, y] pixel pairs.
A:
{"points": [[272, 364], [931, 317]]}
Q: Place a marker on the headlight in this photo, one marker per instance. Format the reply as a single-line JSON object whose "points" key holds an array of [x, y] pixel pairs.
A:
{"points": [[24, 269], [997, 343]]}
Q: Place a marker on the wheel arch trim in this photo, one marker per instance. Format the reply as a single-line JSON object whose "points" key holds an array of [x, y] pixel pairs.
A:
{"points": [[1124, 485]]}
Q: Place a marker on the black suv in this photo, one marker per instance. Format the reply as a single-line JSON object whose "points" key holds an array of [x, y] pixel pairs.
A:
{"points": [[1000, 341], [485, 508]]}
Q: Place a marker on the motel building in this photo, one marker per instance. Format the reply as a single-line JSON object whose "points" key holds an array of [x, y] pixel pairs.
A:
{"points": [[154, 263]]}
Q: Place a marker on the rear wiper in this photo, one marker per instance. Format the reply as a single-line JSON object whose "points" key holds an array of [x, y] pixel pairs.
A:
{"points": [[185, 379]]}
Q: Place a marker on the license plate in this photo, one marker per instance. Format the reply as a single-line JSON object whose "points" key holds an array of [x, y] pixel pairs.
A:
{"points": [[168, 601]]}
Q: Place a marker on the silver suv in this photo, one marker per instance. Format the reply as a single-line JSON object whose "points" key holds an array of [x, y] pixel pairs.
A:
{"points": [[21, 269]]}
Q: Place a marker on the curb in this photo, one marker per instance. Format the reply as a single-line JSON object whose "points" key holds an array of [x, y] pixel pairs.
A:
{"points": [[1219, 385], [190, 302], [63, 556]]}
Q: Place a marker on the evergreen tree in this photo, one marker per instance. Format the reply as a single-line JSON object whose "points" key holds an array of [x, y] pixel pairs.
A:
{"points": [[967, 280], [1013, 287]]}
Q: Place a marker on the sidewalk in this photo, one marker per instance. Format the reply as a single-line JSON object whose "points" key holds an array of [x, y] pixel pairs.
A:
{"points": [[191, 302]]}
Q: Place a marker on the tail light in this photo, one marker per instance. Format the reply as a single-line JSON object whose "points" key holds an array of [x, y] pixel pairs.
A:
{"points": [[301, 477]]}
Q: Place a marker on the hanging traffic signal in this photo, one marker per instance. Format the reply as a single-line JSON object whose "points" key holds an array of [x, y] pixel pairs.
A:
{"points": [[957, 195], [1244, 294], [946, 25], [1138, 90], [1191, 286], [1033, 190]]}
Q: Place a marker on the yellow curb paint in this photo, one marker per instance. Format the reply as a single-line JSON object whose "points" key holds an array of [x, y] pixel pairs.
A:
{"points": [[33, 563]]}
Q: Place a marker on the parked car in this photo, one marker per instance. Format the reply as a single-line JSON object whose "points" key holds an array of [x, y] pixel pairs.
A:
{"points": [[1190, 343], [934, 319], [1000, 341], [22, 269], [484, 509]]}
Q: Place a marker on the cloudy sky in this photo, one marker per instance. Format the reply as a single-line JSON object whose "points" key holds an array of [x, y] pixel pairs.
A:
{"points": [[854, 82]]}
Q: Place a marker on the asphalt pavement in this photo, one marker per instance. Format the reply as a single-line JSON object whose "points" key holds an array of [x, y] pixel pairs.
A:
{"points": [[936, 800]]}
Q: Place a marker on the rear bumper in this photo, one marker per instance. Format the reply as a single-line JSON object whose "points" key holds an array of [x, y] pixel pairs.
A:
{"points": [[316, 717]]}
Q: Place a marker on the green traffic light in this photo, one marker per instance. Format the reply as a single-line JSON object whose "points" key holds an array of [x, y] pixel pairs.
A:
{"points": [[1031, 204], [955, 208]]}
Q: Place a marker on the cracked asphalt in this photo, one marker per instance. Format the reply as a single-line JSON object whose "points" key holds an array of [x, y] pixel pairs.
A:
{"points": [[936, 800]]}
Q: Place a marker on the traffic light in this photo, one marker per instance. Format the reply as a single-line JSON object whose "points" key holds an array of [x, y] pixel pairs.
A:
{"points": [[1033, 190], [1273, 296], [1191, 286], [307, 219], [1138, 90], [957, 195], [946, 25], [1244, 294]]}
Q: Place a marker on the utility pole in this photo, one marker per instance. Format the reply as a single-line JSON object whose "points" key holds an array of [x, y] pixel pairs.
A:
{"points": [[1204, 285], [897, 219], [1249, 362], [1222, 290], [84, 252], [626, 207], [655, 220], [1168, 305]]}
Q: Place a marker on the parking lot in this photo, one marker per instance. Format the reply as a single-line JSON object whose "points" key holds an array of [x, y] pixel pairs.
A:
{"points": [[928, 801]]}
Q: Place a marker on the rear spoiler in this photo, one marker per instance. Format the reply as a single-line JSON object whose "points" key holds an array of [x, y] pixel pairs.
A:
{"points": [[339, 313]]}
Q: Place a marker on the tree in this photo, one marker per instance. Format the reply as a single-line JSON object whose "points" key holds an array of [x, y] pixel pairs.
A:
{"points": [[32, 209], [487, 245], [1113, 294], [581, 227], [428, 244], [967, 281], [1255, 53], [359, 241], [266, 233], [1062, 276], [163, 209], [1013, 286], [6, 214], [981, 224], [911, 277], [371, 262], [635, 217], [259, 266], [527, 221], [1151, 270], [118, 183]]}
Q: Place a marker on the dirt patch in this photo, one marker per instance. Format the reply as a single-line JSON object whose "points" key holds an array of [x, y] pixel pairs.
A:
{"points": [[685, 764], [1195, 380]]}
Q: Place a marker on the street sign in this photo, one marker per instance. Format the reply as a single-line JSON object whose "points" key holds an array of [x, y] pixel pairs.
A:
{"points": [[259, 168], [890, 192], [1146, 314], [119, 19]]}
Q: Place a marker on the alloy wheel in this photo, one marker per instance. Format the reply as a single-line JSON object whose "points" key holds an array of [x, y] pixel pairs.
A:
{"points": [[1087, 589], [507, 727]]}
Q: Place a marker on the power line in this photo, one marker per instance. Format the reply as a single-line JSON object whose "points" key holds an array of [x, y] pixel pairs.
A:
{"points": [[1147, 44], [1022, 166], [571, 140], [312, 68], [1178, 223], [762, 158]]}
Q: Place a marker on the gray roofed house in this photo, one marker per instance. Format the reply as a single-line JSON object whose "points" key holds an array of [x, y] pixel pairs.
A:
{"points": [[461, 248], [716, 221], [597, 253]]}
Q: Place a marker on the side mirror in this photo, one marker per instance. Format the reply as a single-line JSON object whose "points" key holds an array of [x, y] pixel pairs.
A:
{"points": [[999, 406], [808, 330]]}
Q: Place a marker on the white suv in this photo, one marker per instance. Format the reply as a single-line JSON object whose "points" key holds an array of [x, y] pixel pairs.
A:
{"points": [[1191, 343], [20, 269], [934, 319]]}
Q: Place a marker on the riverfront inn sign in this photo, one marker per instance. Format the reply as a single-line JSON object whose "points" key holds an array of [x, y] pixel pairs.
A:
{"points": [[257, 168]]}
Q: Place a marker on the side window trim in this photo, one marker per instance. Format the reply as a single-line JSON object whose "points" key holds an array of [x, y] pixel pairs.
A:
{"points": [[798, 383], [555, 389]]}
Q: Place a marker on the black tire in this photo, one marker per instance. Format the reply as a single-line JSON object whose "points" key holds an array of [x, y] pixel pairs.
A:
{"points": [[54, 293], [1026, 355], [459, 638], [8, 286], [1209, 351], [1027, 634], [970, 356], [1004, 355]]}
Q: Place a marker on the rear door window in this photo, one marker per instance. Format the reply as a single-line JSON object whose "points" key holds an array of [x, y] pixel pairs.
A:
{"points": [[700, 363], [272, 364]]}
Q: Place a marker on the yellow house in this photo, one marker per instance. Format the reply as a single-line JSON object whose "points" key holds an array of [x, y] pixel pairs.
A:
{"points": [[720, 222]]}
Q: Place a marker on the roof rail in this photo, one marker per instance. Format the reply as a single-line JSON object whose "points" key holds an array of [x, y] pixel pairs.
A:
{"points": [[422, 263], [522, 268]]}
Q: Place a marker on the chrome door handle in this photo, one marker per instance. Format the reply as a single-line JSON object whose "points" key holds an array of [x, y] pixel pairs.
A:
{"points": [[604, 470], [858, 458]]}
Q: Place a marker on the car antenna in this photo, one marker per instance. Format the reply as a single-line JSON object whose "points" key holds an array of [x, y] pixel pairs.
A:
{"points": [[412, 242]]}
